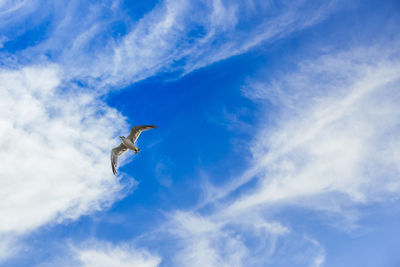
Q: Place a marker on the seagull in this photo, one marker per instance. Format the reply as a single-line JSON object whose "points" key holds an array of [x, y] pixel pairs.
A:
{"points": [[128, 143]]}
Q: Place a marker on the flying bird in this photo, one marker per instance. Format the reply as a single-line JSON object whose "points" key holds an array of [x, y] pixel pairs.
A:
{"points": [[128, 143]]}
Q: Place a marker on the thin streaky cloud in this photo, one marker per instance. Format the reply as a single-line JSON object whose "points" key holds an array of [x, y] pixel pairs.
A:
{"points": [[170, 22], [327, 145], [98, 254]]}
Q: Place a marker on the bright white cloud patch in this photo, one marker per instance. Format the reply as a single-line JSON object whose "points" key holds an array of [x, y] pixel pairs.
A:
{"points": [[55, 150], [106, 255]]}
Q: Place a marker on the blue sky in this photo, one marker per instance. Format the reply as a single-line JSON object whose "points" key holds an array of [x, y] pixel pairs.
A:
{"points": [[277, 140]]}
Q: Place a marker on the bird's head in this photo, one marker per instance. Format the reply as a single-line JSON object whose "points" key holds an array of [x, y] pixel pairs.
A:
{"points": [[122, 137]]}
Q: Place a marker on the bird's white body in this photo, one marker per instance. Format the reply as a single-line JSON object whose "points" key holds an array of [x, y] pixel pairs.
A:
{"points": [[129, 144]]}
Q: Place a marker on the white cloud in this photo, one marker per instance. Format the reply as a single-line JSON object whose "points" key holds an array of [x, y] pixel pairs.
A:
{"points": [[204, 243], [341, 136], [99, 254], [243, 239], [201, 240], [184, 36], [55, 149]]}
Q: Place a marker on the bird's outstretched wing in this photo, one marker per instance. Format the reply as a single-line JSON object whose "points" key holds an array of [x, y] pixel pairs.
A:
{"points": [[135, 131], [115, 153]]}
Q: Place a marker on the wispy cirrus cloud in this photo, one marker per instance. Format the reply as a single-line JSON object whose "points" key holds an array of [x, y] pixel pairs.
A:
{"points": [[338, 135], [97, 253], [182, 36], [247, 239], [222, 241]]}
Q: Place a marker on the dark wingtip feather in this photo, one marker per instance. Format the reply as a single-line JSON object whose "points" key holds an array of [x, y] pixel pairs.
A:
{"points": [[112, 162], [113, 169]]}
